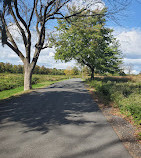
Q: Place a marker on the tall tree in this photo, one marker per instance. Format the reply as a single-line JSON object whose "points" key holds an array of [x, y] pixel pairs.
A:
{"points": [[22, 15], [30, 14], [89, 42]]}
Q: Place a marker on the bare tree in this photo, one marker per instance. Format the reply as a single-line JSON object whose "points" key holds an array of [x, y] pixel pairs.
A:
{"points": [[129, 68], [26, 15]]}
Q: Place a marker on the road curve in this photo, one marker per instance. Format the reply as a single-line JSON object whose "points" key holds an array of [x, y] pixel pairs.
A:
{"points": [[60, 121]]}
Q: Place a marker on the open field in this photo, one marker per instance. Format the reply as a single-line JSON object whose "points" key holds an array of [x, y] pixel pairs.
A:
{"points": [[11, 81], [121, 92], [11, 84]]}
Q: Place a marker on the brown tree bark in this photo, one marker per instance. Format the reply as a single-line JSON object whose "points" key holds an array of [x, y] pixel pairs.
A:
{"points": [[28, 70], [92, 74]]}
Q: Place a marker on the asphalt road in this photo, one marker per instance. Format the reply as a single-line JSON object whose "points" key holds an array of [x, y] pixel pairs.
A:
{"points": [[61, 121]]}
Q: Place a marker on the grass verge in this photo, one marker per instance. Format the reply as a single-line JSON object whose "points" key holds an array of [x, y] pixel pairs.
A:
{"points": [[121, 92], [11, 81], [20, 90]]}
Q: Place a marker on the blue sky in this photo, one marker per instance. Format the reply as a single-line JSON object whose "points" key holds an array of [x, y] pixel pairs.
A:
{"points": [[134, 15], [128, 33]]}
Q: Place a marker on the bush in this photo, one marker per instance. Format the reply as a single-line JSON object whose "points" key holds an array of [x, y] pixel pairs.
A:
{"points": [[11, 81], [125, 93], [132, 105], [35, 80]]}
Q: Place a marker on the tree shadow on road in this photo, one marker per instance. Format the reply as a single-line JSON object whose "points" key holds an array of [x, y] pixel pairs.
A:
{"points": [[44, 108], [68, 109]]}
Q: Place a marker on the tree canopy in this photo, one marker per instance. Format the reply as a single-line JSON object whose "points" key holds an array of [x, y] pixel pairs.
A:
{"points": [[88, 41], [32, 17], [28, 18]]}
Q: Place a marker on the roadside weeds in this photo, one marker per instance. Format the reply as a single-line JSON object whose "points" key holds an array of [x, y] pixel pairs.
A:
{"points": [[122, 125]]}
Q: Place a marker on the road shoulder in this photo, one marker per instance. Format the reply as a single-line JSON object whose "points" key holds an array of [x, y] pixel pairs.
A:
{"points": [[124, 130]]}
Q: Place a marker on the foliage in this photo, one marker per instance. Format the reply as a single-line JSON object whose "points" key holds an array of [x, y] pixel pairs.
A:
{"points": [[9, 68], [19, 90], [68, 71], [86, 70], [75, 70], [11, 81], [31, 19], [124, 92], [89, 42]]}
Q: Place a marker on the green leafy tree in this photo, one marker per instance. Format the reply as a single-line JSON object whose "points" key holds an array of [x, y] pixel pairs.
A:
{"points": [[2, 67], [8, 67], [89, 42], [68, 71], [75, 70], [30, 17], [86, 70]]}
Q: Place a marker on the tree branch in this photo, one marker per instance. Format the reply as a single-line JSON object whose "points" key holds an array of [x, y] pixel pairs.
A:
{"points": [[16, 50], [18, 15], [50, 8], [85, 63], [28, 44], [44, 47], [37, 29], [56, 9], [36, 12], [14, 46], [18, 25], [7, 32], [31, 15]]}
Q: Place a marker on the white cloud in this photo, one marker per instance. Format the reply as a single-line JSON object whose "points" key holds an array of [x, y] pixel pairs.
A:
{"points": [[135, 72], [46, 58], [90, 4], [130, 41], [133, 61]]}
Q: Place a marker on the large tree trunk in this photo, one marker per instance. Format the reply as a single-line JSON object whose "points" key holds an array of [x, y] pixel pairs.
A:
{"points": [[92, 74], [28, 70]]}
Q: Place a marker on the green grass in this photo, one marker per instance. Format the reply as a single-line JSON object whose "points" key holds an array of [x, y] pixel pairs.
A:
{"points": [[12, 81], [20, 90], [43, 84], [8, 93], [124, 92], [12, 84]]}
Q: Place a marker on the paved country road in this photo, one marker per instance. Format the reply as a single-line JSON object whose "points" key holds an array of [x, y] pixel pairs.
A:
{"points": [[60, 121]]}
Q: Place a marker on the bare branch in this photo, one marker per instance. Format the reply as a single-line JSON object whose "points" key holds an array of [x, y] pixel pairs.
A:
{"points": [[51, 8], [67, 19], [18, 25], [44, 47], [28, 44], [8, 32], [75, 14], [37, 29], [18, 15], [31, 14], [36, 12], [56, 9], [13, 46], [16, 50]]}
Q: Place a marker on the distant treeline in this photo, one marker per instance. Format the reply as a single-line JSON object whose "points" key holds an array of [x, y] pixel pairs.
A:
{"points": [[9, 68]]}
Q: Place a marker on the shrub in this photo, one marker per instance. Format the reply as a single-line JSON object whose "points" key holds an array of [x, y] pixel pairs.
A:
{"points": [[125, 93], [11, 81]]}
